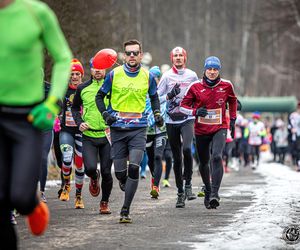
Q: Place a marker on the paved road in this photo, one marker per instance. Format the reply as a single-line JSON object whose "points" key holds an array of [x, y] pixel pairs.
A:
{"points": [[157, 224]]}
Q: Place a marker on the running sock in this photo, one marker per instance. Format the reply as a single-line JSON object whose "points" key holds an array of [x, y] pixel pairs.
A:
{"points": [[79, 178]]}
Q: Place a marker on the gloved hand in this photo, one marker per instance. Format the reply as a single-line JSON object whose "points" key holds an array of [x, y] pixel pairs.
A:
{"points": [[232, 128], [159, 121], [174, 92], [201, 112], [108, 118], [42, 116]]}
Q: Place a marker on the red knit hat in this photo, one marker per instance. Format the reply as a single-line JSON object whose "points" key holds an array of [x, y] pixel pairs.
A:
{"points": [[77, 66]]}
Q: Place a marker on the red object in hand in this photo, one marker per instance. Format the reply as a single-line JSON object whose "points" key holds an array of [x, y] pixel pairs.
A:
{"points": [[104, 59]]}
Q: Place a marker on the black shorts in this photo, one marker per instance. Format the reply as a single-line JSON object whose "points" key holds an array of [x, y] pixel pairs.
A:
{"points": [[125, 140]]}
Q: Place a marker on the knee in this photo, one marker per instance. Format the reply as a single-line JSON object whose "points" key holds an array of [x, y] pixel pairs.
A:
{"points": [[67, 153], [187, 151], [133, 171], [217, 158], [120, 175], [158, 158]]}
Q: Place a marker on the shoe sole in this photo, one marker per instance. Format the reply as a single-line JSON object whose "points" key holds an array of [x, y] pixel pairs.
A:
{"points": [[214, 203], [124, 221], [191, 198], [180, 206], [77, 207], [106, 212], [94, 194]]}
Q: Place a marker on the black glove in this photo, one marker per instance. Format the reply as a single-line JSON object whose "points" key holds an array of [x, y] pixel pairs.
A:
{"points": [[201, 112], [109, 119], [232, 128], [159, 121], [174, 92]]}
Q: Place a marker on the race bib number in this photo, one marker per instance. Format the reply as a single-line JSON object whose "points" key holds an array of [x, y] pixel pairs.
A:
{"points": [[214, 117], [129, 115], [70, 120]]}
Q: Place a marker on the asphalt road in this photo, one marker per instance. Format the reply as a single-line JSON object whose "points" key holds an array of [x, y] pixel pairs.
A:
{"points": [[157, 224]]}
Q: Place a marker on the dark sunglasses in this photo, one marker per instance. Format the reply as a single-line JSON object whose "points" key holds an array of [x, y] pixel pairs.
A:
{"points": [[135, 53], [75, 74]]}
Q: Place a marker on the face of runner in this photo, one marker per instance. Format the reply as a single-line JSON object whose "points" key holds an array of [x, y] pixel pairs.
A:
{"points": [[178, 60], [133, 55], [76, 78], [212, 74], [98, 74]]}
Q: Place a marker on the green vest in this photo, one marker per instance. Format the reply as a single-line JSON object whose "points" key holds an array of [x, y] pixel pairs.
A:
{"points": [[129, 93]]}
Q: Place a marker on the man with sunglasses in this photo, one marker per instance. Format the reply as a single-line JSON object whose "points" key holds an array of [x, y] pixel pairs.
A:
{"points": [[171, 88], [94, 141], [128, 86]]}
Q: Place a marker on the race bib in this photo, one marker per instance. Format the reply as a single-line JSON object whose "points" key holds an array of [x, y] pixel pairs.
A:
{"points": [[70, 120], [129, 115], [213, 117]]}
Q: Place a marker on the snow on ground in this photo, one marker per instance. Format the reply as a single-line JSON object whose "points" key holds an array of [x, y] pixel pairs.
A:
{"points": [[260, 226]]}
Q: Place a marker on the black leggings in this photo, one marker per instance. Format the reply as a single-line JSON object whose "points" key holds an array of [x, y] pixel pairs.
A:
{"points": [[180, 137], [215, 151], [155, 153], [91, 149], [168, 158], [20, 163]]}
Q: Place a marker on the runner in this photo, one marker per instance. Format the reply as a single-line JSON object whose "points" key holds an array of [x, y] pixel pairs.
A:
{"points": [[206, 99], [23, 40], [156, 141], [171, 88], [94, 141], [128, 85], [255, 132], [70, 139]]}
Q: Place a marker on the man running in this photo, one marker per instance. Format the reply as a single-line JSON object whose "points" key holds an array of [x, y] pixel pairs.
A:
{"points": [[206, 99], [171, 88], [128, 86], [26, 28], [94, 141]]}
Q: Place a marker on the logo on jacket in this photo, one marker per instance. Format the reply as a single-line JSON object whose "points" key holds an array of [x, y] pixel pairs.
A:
{"points": [[221, 90], [220, 101]]}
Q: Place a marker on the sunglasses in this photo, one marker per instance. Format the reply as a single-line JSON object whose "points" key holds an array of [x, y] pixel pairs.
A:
{"points": [[135, 53], [75, 74]]}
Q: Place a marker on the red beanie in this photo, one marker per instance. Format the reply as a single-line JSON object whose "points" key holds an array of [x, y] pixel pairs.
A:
{"points": [[77, 66], [178, 50]]}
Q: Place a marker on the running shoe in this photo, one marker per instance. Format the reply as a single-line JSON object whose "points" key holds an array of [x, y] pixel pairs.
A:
{"points": [[214, 201], [104, 208], [43, 197], [65, 194], [166, 183], [79, 202], [201, 193], [38, 220], [94, 186], [180, 200], [189, 193], [124, 216], [154, 192]]}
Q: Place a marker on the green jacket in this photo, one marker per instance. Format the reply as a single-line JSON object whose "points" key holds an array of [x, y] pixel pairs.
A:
{"points": [[84, 108]]}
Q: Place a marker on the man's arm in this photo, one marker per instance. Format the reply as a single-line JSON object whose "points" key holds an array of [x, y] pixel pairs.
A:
{"points": [[232, 100], [59, 50]]}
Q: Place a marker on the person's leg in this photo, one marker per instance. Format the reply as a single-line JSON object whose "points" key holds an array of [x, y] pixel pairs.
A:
{"points": [[79, 168], [90, 160], [203, 150], [144, 164], [8, 235], [58, 156], [47, 141], [159, 146], [169, 162], [175, 144], [150, 144], [66, 141], [136, 146]]}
